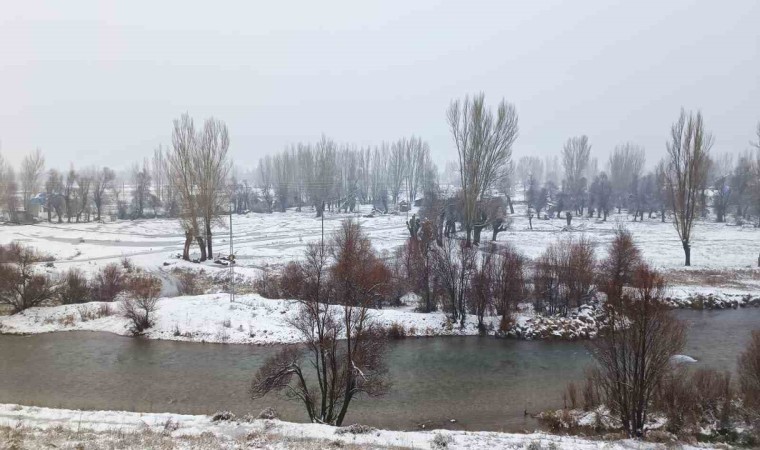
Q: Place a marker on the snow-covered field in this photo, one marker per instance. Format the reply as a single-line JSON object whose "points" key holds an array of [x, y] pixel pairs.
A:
{"points": [[262, 240], [723, 258], [251, 319], [33, 427]]}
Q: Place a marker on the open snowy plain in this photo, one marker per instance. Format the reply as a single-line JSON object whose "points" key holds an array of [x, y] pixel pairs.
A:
{"points": [[724, 259]]}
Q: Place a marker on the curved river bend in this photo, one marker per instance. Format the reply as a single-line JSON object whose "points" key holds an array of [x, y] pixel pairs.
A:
{"points": [[483, 383]]}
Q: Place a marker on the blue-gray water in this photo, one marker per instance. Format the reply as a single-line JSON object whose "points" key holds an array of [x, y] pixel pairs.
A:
{"points": [[483, 383]]}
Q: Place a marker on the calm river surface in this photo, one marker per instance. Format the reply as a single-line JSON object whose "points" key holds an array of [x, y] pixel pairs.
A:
{"points": [[483, 383]]}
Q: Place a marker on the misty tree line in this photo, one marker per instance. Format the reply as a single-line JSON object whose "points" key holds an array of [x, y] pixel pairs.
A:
{"points": [[727, 183], [339, 177]]}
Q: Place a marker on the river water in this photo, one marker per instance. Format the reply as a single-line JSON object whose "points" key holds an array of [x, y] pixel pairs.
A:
{"points": [[482, 383]]}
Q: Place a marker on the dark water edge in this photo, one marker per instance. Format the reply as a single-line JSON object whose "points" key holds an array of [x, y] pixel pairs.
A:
{"points": [[481, 382]]}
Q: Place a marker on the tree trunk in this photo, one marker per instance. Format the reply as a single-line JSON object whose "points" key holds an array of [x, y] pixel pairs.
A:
{"points": [[477, 229], [202, 245], [188, 242], [511, 208], [687, 252], [209, 243]]}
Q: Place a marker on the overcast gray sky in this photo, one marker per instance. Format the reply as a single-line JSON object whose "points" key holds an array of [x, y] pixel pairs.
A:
{"points": [[99, 82]]}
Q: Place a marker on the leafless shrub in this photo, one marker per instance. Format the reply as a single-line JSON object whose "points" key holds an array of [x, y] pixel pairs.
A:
{"points": [[104, 310], [108, 283], [690, 400], [267, 284], [127, 264], [572, 394], [143, 292], [223, 416], [268, 414], [509, 283], [453, 264], [347, 351], [74, 288], [355, 429], [564, 275], [86, 313], [396, 331], [749, 374], [633, 353], [617, 270], [21, 286], [188, 281], [591, 394]]}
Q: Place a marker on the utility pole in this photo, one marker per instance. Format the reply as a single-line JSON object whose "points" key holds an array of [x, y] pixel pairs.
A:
{"points": [[231, 261], [323, 226]]}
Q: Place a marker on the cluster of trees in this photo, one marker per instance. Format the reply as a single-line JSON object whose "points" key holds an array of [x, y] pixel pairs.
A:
{"points": [[341, 176], [634, 375], [197, 172], [686, 183], [343, 352], [25, 284]]}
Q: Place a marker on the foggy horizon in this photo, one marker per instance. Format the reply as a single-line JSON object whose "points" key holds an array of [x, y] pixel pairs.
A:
{"points": [[99, 84]]}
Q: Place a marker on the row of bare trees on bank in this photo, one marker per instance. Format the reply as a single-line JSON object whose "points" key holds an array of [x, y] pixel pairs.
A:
{"points": [[326, 174], [343, 355], [635, 376]]}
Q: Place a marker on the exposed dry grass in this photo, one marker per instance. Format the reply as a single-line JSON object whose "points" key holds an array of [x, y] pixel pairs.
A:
{"points": [[727, 278], [22, 437]]}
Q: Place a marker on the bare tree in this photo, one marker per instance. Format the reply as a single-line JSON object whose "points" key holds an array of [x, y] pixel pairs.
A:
{"points": [[102, 183], [212, 166], [21, 286], [184, 179], [397, 168], [8, 189], [265, 176], [453, 264], [141, 303], [84, 182], [633, 352], [509, 283], [484, 146], [686, 171], [69, 193], [141, 181], [53, 195], [345, 351], [32, 168], [575, 158], [159, 173], [625, 164]]}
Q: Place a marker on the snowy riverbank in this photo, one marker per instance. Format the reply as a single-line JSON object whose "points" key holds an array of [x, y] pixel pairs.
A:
{"points": [[33, 427], [252, 319]]}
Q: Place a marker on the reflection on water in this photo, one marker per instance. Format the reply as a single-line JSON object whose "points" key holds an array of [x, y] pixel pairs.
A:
{"points": [[483, 383]]}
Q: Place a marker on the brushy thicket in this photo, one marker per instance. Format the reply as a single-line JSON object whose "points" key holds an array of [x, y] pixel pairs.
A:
{"points": [[22, 286], [143, 291]]}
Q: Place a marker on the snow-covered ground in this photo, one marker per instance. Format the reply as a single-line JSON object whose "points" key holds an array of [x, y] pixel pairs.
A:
{"points": [[33, 427], [262, 240], [252, 319]]}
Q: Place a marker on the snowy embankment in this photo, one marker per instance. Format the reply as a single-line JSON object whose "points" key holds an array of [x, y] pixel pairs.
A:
{"points": [[33, 427], [252, 319], [712, 298]]}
